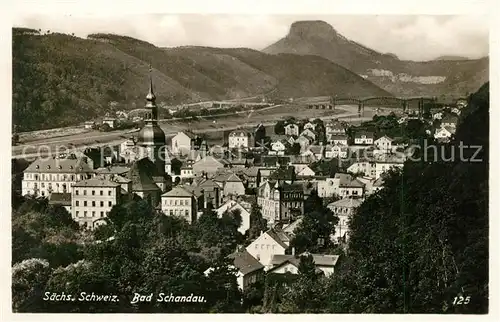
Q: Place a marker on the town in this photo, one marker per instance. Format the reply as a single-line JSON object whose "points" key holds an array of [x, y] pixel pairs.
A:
{"points": [[272, 181]]}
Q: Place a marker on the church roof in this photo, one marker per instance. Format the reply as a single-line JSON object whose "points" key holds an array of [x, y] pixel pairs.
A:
{"points": [[141, 173]]}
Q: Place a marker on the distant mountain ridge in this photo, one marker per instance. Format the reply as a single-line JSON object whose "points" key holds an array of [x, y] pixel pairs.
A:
{"points": [[62, 80], [441, 77]]}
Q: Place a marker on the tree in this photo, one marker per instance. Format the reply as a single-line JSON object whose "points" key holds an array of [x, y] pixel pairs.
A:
{"points": [[257, 223], [293, 149], [313, 233], [105, 127], [419, 247], [176, 165], [279, 127], [29, 278]]}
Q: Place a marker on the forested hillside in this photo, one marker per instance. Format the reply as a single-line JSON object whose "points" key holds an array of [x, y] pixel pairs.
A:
{"points": [[61, 80], [423, 239]]}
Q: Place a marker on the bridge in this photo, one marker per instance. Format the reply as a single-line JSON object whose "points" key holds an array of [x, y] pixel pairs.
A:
{"points": [[329, 102]]}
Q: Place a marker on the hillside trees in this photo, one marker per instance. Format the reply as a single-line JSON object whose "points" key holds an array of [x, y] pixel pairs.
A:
{"points": [[415, 245]]}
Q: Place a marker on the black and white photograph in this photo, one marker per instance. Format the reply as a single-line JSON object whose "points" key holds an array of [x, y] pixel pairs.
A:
{"points": [[250, 163]]}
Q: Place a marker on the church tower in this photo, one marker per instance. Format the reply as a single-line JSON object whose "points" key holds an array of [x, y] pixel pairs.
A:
{"points": [[151, 137]]}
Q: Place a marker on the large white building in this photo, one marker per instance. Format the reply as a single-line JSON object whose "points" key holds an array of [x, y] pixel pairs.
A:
{"points": [[182, 143], [92, 200], [240, 139], [44, 176], [179, 202]]}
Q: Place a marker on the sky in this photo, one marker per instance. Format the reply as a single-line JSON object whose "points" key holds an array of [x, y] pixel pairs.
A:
{"points": [[413, 37]]}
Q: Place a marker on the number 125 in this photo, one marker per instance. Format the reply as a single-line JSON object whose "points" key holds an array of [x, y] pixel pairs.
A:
{"points": [[459, 300]]}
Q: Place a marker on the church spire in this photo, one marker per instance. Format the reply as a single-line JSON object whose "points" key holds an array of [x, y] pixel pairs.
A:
{"points": [[151, 95]]}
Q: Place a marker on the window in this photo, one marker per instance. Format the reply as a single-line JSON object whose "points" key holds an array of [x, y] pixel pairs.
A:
{"points": [[84, 214], [186, 213], [102, 203], [84, 192], [93, 192], [102, 214], [77, 203], [77, 192], [93, 213], [110, 203], [101, 192], [171, 212], [109, 192], [93, 203], [256, 246], [176, 202], [85, 203], [77, 214]]}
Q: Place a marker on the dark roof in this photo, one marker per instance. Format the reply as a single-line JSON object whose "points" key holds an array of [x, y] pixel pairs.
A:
{"points": [[57, 198], [64, 165], [251, 172], [96, 182], [278, 237], [338, 137], [245, 262], [319, 259], [113, 170], [367, 134], [178, 192], [141, 173], [450, 118]]}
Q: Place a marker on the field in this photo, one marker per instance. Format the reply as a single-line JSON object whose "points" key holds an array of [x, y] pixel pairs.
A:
{"points": [[213, 128]]}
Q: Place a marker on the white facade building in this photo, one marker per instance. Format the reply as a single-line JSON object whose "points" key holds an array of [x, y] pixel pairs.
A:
{"points": [[44, 176], [92, 200]]}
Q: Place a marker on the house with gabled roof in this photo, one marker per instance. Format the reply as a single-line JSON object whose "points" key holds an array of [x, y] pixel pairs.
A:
{"points": [[384, 143], [309, 126], [234, 205], [230, 184], [304, 141], [341, 139], [248, 269], [292, 129], [208, 165], [443, 134], [333, 128], [182, 143], [282, 264], [309, 133], [336, 151], [317, 151], [363, 138], [267, 245]]}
